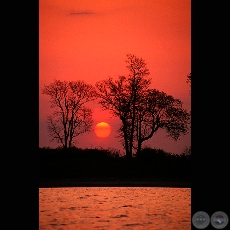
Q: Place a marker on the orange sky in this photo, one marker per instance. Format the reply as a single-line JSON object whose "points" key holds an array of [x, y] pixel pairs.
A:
{"points": [[88, 40]]}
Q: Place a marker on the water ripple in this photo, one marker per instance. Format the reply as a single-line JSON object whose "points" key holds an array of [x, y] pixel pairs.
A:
{"points": [[114, 208]]}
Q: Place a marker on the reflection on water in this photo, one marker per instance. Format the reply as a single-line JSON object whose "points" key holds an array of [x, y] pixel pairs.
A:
{"points": [[112, 208]]}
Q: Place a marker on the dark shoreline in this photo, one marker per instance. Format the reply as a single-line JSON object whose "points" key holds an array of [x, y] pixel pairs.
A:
{"points": [[97, 168], [113, 182]]}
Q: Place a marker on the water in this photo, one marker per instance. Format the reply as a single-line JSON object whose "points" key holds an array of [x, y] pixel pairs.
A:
{"points": [[113, 208]]}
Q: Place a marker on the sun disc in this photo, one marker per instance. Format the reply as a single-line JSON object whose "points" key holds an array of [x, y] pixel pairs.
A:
{"points": [[102, 129]]}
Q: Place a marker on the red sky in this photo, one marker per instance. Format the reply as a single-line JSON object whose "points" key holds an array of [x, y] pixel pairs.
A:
{"points": [[88, 40]]}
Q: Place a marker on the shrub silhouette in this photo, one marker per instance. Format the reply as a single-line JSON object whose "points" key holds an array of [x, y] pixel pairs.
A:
{"points": [[104, 163]]}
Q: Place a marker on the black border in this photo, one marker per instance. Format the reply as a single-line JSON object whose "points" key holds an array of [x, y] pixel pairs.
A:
{"points": [[20, 116], [209, 109]]}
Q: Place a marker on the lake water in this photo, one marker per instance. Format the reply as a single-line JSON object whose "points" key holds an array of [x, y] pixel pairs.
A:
{"points": [[113, 208]]}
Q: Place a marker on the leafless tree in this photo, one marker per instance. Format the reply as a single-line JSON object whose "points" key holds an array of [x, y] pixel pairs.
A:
{"points": [[142, 111], [70, 117], [189, 78], [160, 111], [121, 97]]}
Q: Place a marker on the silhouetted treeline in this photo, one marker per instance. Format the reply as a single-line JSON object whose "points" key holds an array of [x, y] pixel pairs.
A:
{"points": [[102, 163], [142, 110]]}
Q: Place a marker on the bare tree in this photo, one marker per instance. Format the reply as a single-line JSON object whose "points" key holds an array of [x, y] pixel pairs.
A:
{"points": [[160, 111], [189, 78], [114, 96], [142, 111], [121, 97], [70, 117]]}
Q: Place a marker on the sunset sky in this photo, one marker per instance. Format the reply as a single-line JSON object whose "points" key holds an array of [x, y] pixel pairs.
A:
{"points": [[88, 40]]}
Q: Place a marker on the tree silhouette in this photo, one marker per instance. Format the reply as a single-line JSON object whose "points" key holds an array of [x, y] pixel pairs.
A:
{"points": [[189, 78], [142, 110], [70, 117], [160, 111], [121, 97]]}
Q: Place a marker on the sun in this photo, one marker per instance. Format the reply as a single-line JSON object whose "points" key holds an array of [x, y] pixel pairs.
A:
{"points": [[102, 129]]}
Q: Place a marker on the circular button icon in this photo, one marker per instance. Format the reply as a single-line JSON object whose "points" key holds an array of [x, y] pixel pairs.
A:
{"points": [[219, 220], [200, 220]]}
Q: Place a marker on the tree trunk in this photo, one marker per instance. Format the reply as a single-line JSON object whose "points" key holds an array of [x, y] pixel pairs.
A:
{"points": [[139, 148], [127, 152]]}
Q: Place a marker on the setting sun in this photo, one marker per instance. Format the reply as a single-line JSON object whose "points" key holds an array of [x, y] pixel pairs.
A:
{"points": [[102, 130]]}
